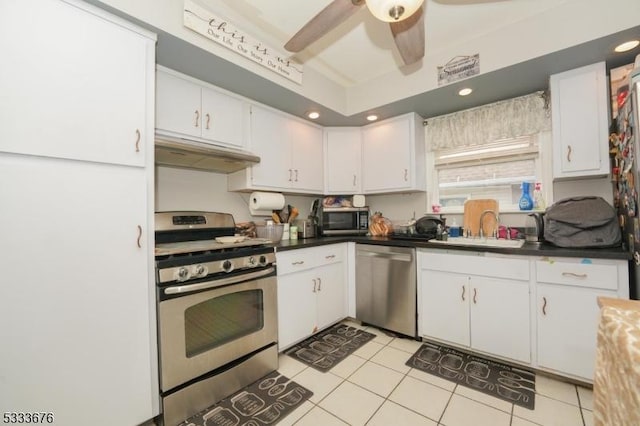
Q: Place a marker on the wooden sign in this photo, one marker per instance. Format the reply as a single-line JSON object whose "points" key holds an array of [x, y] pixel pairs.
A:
{"points": [[226, 34], [459, 68]]}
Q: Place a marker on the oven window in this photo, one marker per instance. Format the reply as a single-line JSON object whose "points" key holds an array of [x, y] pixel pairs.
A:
{"points": [[217, 321]]}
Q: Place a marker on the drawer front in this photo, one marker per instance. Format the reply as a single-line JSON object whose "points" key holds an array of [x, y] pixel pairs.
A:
{"points": [[303, 259], [593, 275], [498, 267]]}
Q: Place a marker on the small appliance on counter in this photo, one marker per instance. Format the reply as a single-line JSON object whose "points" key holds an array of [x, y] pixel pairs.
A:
{"points": [[424, 229], [336, 216], [306, 228]]}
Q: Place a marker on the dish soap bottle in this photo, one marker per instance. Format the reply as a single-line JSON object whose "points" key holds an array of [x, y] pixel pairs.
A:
{"points": [[538, 199], [525, 203]]}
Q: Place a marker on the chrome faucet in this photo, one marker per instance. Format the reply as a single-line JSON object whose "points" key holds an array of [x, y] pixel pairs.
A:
{"points": [[495, 229]]}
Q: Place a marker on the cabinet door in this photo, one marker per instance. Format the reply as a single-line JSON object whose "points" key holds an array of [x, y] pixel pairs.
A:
{"points": [[500, 317], [296, 307], [178, 106], [343, 155], [306, 153], [269, 141], [76, 87], [580, 122], [386, 155], [222, 118], [444, 312], [78, 291], [567, 328], [331, 292]]}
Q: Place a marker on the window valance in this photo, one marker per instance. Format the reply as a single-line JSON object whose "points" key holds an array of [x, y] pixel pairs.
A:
{"points": [[525, 115]]}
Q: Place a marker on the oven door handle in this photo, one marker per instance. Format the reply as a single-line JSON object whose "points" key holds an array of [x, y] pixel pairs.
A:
{"points": [[190, 288]]}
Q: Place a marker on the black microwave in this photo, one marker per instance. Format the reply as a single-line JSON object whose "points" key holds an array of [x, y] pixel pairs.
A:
{"points": [[343, 220]]}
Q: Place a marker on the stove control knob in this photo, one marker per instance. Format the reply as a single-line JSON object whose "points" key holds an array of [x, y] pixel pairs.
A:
{"points": [[251, 261], [227, 266], [200, 270], [263, 260], [182, 274]]}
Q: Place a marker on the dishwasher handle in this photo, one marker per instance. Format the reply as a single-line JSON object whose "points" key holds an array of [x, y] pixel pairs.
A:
{"points": [[403, 257]]}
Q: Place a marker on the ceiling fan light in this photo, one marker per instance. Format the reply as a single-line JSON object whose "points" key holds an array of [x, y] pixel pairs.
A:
{"points": [[393, 10]]}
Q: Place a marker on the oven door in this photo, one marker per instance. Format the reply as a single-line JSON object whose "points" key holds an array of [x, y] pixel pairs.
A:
{"points": [[202, 331]]}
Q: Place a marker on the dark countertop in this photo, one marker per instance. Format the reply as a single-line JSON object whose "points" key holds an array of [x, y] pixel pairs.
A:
{"points": [[528, 249]]}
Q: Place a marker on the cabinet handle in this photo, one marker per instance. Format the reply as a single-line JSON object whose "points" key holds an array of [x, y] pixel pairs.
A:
{"points": [[574, 275], [290, 175], [331, 256], [138, 136], [354, 180], [314, 285], [208, 120], [139, 236], [298, 262], [296, 175], [569, 153], [319, 284], [464, 290], [197, 118], [475, 294], [406, 175], [544, 305]]}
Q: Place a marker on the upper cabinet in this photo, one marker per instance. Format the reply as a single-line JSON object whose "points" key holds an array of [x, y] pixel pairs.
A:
{"points": [[187, 107], [393, 155], [104, 62], [342, 160], [290, 152], [580, 122]]}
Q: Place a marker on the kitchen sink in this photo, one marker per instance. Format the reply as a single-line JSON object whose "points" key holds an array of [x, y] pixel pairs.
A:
{"points": [[480, 242]]}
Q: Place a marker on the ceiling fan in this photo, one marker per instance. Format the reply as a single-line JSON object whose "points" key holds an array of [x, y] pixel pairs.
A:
{"points": [[405, 18]]}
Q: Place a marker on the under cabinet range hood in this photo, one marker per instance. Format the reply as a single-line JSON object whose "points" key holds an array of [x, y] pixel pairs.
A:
{"points": [[188, 154]]}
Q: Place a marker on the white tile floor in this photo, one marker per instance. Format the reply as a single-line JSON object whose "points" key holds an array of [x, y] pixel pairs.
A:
{"points": [[373, 386]]}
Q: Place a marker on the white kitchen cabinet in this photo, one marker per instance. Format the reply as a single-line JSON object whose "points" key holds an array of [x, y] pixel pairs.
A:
{"points": [[290, 152], [78, 218], [312, 291], [464, 299], [189, 107], [393, 155], [580, 122], [342, 160], [567, 311], [76, 86]]}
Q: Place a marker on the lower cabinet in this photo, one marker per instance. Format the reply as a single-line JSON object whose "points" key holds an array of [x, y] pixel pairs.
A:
{"points": [[567, 311], [476, 302], [312, 291]]}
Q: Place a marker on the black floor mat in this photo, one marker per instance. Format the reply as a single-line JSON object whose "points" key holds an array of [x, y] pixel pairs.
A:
{"points": [[266, 401], [503, 381], [327, 348]]}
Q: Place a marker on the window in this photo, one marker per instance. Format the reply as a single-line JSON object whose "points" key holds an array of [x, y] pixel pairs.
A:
{"points": [[494, 170]]}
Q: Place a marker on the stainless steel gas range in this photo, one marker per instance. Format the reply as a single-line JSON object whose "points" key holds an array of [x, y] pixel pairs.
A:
{"points": [[217, 310]]}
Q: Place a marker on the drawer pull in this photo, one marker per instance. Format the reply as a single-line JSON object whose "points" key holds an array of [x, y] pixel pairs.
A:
{"points": [[463, 292], [574, 275], [475, 294], [138, 136], [568, 153], [544, 305], [319, 284], [331, 256], [314, 285], [139, 236], [197, 120], [298, 262], [208, 120]]}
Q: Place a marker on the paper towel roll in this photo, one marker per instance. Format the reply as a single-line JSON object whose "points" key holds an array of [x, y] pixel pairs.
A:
{"points": [[262, 203]]}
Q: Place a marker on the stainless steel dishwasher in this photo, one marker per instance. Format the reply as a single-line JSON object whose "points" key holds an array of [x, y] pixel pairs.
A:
{"points": [[386, 287]]}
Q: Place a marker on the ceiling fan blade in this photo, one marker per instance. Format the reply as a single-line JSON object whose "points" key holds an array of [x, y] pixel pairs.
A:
{"points": [[328, 18], [409, 36]]}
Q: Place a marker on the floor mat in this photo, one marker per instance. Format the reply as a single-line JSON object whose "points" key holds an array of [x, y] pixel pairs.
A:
{"points": [[326, 349], [266, 401], [503, 381]]}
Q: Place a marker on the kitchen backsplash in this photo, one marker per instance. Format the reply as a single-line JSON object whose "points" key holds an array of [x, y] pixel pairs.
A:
{"points": [[178, 189]]}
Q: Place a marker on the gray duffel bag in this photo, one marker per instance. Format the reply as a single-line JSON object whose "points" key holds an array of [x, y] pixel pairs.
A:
{"points": [[582, 222]]}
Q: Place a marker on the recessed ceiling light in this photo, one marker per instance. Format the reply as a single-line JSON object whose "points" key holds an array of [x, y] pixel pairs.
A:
{"points": [[313, 115], [464, 92], [627, 45], [372, 117]]}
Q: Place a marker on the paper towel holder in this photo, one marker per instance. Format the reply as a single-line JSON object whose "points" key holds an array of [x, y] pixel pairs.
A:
{"points": [[259, 210]]}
